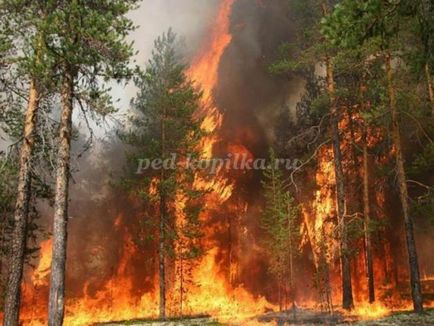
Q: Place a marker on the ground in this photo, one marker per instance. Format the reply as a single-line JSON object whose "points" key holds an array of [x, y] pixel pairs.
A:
{"points": [[306, 318], [398, 319]]}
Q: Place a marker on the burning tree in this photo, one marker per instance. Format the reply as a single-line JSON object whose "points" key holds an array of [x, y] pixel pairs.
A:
{"points": [[280, 222], [166, 130]]}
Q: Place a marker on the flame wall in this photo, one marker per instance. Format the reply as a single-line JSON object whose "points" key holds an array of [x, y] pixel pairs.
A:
{"points": [[112, 263]]}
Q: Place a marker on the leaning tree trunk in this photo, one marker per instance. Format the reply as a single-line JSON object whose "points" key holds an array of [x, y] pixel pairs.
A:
{"points": [[60, 220], [19, 233], [347, 291], [416, 292]]}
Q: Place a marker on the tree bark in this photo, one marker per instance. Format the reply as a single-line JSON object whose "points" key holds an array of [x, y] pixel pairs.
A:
{"points": [[367, 219], [416, 291], [366, 202], [291, 264], [60, 220], [347, 291], [19, 233]]}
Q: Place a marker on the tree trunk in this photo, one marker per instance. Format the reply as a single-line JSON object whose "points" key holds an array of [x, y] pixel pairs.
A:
{"points": [[429, 86], [291, 263], [367, 216], [162, 238], [347, 291], [19, 233], [60, 220], [416, 291], [366, 202]]}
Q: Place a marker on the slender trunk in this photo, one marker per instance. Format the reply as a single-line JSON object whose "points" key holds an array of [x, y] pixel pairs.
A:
{"points": [[347, 291], [279, 287], [163, 217], [429, 86], [181, 287], [162, 270], [57, 278], [367, 216], [416, 291], [19, 233], [366, 203], [291, 263]]}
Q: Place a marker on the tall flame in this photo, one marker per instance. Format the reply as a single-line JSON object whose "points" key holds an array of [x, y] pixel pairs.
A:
{"points": [[211, 292]]}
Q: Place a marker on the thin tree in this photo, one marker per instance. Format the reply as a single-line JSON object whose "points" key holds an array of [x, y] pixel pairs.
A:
{"points": [[280, 222]]}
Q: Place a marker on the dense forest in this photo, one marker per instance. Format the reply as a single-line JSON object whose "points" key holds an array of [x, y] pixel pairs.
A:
{"points": [[275, 165]]}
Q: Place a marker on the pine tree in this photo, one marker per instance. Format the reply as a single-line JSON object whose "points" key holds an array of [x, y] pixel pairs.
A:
{"points": [[87, 41], [24, 57], [303, 57], [165, 129], [280, 222], [351, 25]]}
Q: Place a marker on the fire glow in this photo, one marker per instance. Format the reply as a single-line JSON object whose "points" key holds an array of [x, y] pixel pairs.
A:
{"points": [[213, 292]]}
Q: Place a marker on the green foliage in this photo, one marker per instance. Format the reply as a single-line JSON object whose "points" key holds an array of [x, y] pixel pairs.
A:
{"points": [[88, 40], [162, 127], [279, 220]]}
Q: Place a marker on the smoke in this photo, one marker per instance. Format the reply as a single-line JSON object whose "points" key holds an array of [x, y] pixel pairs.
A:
{"points": [[250, 99]]}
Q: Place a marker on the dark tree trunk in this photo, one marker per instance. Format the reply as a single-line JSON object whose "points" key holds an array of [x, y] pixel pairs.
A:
{"points": [[57, 279], [163, 221], [366, 202], [291, 264], [416, 291], [347, 291], [162, 265], [429, 86], [367, 219], [19, 233]]}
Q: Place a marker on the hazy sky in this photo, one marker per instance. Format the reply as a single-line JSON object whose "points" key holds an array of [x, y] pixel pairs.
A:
{"points": [[188, 18]]}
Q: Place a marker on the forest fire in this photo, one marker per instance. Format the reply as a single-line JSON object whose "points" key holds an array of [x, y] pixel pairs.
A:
{"points": [[334, 240], [214, 296]]}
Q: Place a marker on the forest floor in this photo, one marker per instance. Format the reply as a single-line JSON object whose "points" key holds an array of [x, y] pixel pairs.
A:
{"points": [[305, 317], [312, 318], [400, 319]]}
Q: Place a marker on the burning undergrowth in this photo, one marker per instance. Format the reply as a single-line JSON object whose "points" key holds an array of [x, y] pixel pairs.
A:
{"points": [[113, 258]]}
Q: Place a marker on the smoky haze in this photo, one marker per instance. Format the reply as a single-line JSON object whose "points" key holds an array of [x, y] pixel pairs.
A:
{"points": [[250, 99]]}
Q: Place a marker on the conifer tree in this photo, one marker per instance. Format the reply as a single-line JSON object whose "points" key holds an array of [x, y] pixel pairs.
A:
{"points": [[351, 24], [165, 129], [26, 65], [88, 42], [280, 222]]}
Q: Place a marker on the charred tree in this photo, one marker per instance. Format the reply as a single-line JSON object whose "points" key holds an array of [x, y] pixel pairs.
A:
{"points": [[416, 291], [347, 291], [367, 219], [366, 200]]}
